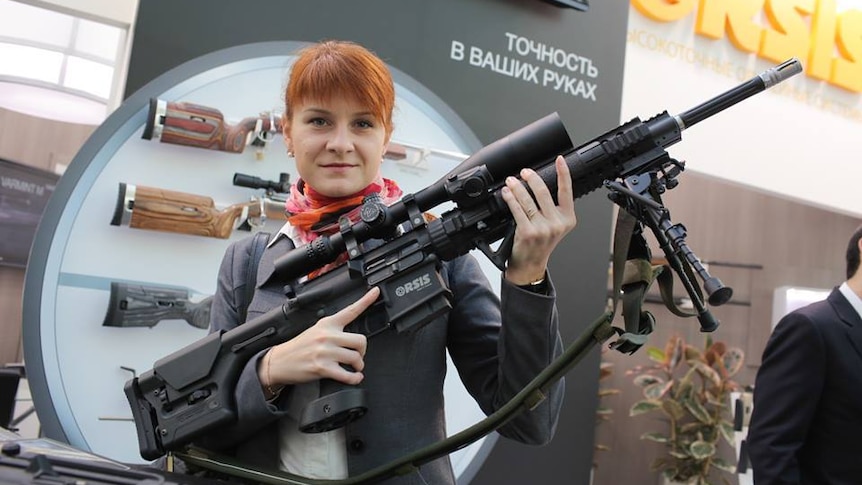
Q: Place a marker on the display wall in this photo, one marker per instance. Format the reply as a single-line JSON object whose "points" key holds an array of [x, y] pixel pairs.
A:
{"points": [[493, 65]]}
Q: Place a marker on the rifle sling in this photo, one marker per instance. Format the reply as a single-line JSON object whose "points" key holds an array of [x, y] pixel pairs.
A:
{"points": [[665, 284], [632, 276]]}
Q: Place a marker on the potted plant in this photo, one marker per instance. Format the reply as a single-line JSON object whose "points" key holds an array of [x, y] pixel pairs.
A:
{"points": [[691, 388]]}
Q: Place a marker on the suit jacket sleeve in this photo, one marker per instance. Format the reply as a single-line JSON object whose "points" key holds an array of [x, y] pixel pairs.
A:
{"points": [[786, 392], [497, 352]]}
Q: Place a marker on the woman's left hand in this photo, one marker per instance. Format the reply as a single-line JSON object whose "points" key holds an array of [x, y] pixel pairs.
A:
{"points": [[541, 224]]}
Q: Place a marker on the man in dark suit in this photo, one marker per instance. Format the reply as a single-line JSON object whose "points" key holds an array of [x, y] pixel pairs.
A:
{"points": [[806, 427]]}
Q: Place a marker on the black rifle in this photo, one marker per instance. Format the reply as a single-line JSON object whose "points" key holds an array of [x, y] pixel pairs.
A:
{"points": [[190, 392]]}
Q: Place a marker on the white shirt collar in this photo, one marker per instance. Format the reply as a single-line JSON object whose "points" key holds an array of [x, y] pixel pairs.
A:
{"points": [[852, 297], [287, 230]]}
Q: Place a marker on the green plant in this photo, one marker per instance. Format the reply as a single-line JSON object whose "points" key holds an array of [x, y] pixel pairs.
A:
{"points": [[691, 387]]}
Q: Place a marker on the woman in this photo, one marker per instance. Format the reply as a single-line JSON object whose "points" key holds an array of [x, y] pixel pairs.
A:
{"points": [[337, 123]]}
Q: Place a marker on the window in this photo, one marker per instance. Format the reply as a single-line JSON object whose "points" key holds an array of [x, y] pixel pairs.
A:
{"points": [[50, 50]]}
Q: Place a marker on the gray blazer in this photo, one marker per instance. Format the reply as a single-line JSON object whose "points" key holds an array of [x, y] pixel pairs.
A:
{"points": [[496, 354]]}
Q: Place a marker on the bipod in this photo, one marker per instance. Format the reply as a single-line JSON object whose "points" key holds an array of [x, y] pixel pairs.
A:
{"points": [[640, 200]]}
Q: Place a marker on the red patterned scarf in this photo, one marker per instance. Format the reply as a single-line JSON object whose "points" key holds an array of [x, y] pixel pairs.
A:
{"points": [[313, 214]]}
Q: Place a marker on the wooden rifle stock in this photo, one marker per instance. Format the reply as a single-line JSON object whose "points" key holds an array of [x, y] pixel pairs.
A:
{"points": [[195, 125], [158, 209]]}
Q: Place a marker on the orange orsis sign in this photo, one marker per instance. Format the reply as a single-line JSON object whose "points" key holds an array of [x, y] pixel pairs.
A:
{"points": [[828, 42]]}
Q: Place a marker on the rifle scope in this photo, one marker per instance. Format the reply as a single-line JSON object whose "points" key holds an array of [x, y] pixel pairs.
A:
{"points": [[252, 182]]}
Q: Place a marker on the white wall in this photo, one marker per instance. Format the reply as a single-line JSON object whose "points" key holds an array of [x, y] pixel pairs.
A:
{"points": [[790, 141]]}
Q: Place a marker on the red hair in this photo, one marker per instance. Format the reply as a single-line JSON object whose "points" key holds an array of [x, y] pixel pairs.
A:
{"points": [[341, 68]]}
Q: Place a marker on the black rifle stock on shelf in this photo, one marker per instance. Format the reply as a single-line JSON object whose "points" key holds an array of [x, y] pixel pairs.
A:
{"points": [[145, 306], [190, 392]]}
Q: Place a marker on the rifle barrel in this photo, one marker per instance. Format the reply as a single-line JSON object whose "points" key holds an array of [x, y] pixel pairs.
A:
{"points": [[761, 82]]}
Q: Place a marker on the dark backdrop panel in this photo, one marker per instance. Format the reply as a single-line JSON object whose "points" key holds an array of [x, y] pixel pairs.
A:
{"points": [[24, 192], [497, 86]]}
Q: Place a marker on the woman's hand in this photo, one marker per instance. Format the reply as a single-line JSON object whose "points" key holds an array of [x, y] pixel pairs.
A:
{"points": [[541, 224], [320, 351]]}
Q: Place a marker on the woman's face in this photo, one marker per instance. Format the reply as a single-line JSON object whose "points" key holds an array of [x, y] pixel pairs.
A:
{"points": [[338, 145]]}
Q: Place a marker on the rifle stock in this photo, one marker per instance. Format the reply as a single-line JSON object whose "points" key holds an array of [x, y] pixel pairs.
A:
{"points": [[199, 126], [156, 209], [146, 306]]}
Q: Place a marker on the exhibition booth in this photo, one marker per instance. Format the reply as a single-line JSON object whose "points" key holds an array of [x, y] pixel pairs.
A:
{"points": [[764, 190]]}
